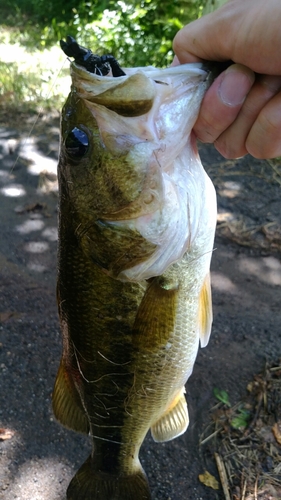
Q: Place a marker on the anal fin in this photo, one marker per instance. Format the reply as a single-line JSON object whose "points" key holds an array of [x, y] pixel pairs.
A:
{"points": [[174, 422], [67, 405], [205, 312]]}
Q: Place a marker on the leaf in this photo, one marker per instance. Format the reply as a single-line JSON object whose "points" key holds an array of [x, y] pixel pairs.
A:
{"points": [[4, 316], [241, 421], [212, 5], [208, 480], [276, 429], [222, 396], [238, 423]]}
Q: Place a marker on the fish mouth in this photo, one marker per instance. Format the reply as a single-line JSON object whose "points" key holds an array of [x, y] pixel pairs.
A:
{"points": [[157, 108], [157, 74], [138, 113], [133, 94]]}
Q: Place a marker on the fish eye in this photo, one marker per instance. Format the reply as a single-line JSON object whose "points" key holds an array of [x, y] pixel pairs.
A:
{"points": [[76, 143]]}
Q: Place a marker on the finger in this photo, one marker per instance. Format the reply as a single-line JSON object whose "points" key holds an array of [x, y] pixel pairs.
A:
{"points": [[223, 101], [192, 43], [232, 142], [264, 139], [228, 33]]}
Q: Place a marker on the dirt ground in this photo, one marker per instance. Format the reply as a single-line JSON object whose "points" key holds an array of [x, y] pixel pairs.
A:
{"points": [[39, 457]]}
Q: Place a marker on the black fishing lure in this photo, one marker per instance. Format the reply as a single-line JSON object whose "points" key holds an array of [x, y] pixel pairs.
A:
{"points": [[100, 65]]}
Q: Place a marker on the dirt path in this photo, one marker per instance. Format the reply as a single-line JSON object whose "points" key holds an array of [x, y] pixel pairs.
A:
{"points": [[39, 459]]}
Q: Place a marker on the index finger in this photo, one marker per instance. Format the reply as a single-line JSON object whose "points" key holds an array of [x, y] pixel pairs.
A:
{"points": [[192, 43]]}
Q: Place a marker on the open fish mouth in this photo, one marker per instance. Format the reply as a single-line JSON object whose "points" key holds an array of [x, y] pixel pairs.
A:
{"points": [[149, 114]]}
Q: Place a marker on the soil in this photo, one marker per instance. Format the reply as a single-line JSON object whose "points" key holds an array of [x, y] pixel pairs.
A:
{"points": [[38, 457]]}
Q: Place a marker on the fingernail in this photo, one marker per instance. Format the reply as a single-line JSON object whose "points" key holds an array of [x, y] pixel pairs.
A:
{"points": [[236, 82]]}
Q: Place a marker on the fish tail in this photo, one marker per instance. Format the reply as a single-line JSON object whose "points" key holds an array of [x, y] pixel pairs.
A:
{"points": [[90, 484]]}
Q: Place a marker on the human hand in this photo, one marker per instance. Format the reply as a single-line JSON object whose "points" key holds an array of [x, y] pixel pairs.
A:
{"points": [[241, 111]]}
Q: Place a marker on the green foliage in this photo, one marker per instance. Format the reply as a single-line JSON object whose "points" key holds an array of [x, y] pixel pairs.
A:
{"points": [[211, 5], [17, 87], [222, 396], [241, 420], [30, 86], [137, 32]]}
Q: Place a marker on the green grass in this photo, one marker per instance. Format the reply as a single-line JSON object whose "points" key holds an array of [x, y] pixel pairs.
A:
{"points": [[31, 79]]}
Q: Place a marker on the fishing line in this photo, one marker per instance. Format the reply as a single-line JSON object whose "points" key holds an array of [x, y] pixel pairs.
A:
{"points": [[40, 111], [202, 255]]}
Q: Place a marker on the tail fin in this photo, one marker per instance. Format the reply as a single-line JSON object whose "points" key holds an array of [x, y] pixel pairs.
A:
{"points": [[89, 484]]}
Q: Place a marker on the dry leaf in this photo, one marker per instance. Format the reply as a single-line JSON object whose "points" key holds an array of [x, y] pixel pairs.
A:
{"points": [[209, 480], [4, 316], [6, 434], [276, 429]]}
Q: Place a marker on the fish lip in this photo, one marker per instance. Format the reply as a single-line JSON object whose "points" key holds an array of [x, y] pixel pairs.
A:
{"points": [[134, 94], [149, 71]]}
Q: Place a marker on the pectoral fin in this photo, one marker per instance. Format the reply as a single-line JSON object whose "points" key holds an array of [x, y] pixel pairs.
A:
{"points": [[205, 312], [67, 405], [174, 422], [156, 316]]}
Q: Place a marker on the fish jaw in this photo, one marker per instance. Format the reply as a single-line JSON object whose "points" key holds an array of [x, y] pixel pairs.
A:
{"points": [[155, 174]]}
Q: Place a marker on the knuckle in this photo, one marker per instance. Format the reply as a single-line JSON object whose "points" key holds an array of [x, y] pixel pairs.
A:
{"points": [[207, 129], [264, 138], [228, 149]]}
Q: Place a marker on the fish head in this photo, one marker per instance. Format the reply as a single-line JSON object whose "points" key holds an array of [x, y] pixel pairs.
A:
{"points": [[121, 169]]}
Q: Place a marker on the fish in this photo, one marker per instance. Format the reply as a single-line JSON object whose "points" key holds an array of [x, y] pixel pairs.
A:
{"points": [[137, 217]]}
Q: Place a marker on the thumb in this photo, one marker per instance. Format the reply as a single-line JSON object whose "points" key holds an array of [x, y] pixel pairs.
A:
{"points": [[223, 101]]}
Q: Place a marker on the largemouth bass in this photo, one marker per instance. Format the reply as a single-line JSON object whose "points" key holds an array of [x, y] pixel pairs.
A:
{"points": [[137, 216]]}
